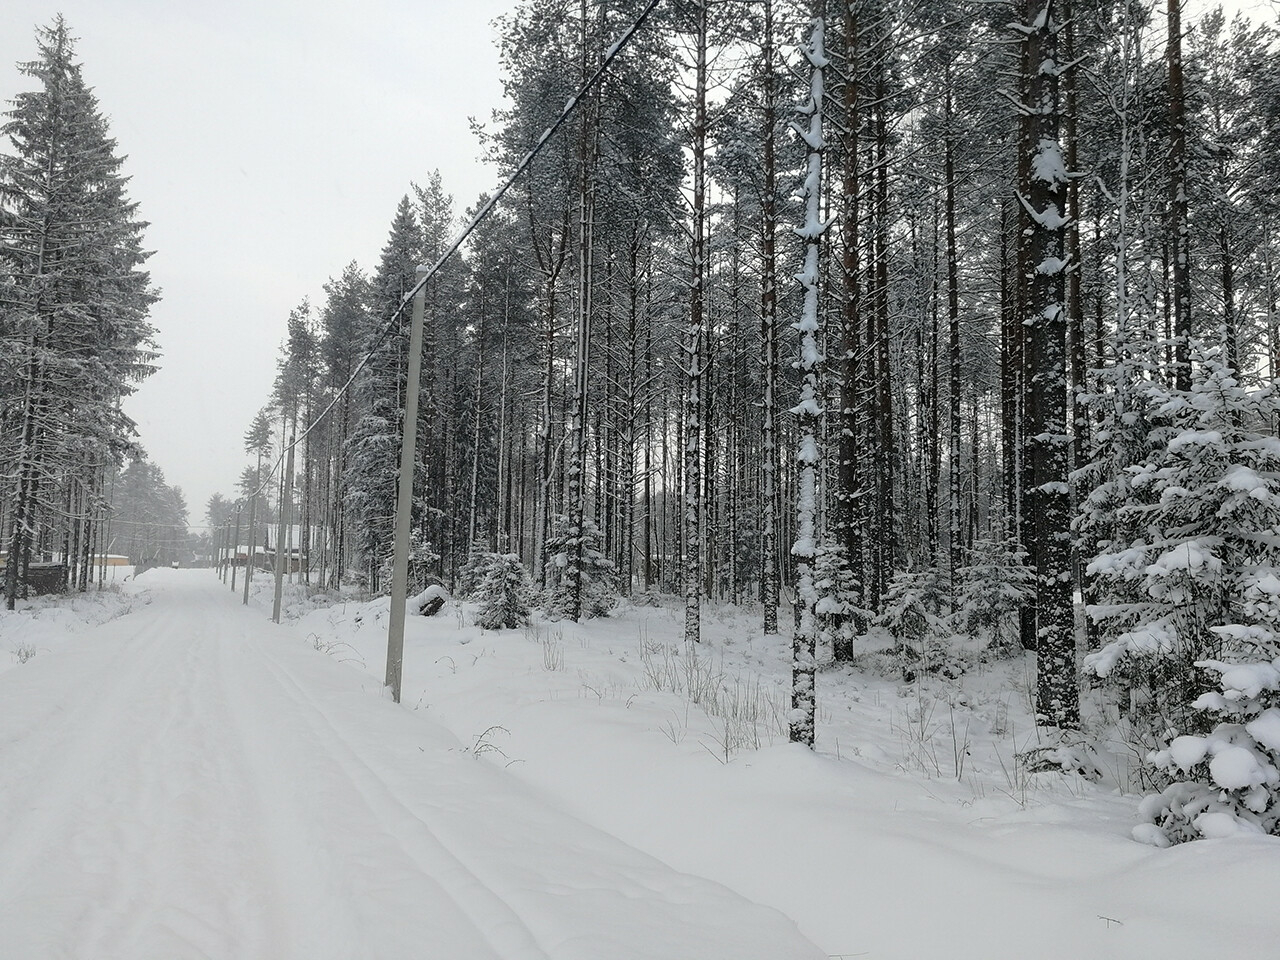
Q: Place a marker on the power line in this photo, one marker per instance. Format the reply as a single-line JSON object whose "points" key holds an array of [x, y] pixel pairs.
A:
{"points": [[610, 55]]}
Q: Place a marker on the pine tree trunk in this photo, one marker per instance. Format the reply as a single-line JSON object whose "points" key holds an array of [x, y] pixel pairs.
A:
{"points": [[847, 494], [1044, 199], [808, 411], [769, 585], [953, 338], [1179, 233], [694, 345]]}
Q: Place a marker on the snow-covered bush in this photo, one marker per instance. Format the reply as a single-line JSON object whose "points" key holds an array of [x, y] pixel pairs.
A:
{"points": [[1188, 584], [1228, 780], [575, 556], [503, 590]]}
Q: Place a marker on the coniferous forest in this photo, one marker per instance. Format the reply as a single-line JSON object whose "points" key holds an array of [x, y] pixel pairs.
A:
{"points": [[942, 319], [74, 334]]}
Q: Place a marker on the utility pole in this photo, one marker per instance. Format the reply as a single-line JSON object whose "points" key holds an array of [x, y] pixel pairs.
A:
{"points": [[235, 549], [286, 502], [404, 499], [252, 551], [220, 555]]}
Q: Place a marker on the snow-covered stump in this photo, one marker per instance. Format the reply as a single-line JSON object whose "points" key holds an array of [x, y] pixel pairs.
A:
{"points": [[808, 411]]}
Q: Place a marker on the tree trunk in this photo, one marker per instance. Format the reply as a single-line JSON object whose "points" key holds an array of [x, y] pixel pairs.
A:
{"points": [[808, 412], [1043, 198]]}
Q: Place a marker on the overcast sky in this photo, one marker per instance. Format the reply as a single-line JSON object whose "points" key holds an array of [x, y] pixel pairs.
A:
{"points": [[269, 142]]}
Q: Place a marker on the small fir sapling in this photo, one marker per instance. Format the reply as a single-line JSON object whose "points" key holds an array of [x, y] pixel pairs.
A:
{"points": [[469, 577], [838, 619], [421, 559], [914, 613], [503, 589], [994, 586], [599, 593]]}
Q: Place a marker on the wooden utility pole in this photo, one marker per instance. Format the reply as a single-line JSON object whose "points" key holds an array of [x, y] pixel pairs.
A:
{"points": [[235, 548], [251, 554]]}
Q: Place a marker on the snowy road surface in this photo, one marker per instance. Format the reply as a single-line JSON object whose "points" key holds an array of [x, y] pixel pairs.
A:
{"points": [[192, 781]]}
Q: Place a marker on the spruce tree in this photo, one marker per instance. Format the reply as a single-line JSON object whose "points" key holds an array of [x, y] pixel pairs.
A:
{"points": [[1190, 601], [73, 319], [373, 448]]}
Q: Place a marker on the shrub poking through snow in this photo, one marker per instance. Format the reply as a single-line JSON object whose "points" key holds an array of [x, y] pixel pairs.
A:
{"points": [[1228, 781], [503, 590]]}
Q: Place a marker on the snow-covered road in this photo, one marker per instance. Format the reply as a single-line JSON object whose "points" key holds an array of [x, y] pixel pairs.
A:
{"points": [[193, 781]]}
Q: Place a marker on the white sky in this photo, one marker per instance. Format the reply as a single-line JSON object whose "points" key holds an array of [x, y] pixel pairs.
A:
{"points": [[268, 143]]}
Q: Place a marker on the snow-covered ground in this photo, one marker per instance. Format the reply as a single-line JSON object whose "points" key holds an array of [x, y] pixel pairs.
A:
{"points": [[910, 834], [191, 780]]}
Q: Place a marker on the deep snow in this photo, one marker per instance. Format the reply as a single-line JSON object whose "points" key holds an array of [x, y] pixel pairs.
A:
{"points": [[266, 800], [190, 781], [910, 834]]}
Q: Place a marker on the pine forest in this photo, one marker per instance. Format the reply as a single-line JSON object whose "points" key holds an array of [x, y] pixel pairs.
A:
{"points": [[942, 322]]}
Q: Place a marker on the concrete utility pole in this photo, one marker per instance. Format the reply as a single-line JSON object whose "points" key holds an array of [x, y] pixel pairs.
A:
{"points": [[248, 563], [286, 502], [404, 499], [235, 548], [220, 555]]}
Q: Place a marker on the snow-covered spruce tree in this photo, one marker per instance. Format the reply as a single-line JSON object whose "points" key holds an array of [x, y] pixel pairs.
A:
{"points": [[343, 317], [372, 453], [838, 616], [596, 584], [423, 558], [913, 611], [73, 323], [993, 586], [469, 576], [1226, 781], [1192, 601], [808, 411], [503, 589]]}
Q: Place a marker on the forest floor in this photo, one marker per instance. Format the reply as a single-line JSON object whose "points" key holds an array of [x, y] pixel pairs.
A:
{"points": [[190, 780]]}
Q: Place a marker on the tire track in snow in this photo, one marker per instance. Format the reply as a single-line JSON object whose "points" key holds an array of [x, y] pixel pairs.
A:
{"points": [[55, 761], [506, 933], [190, 874]]}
